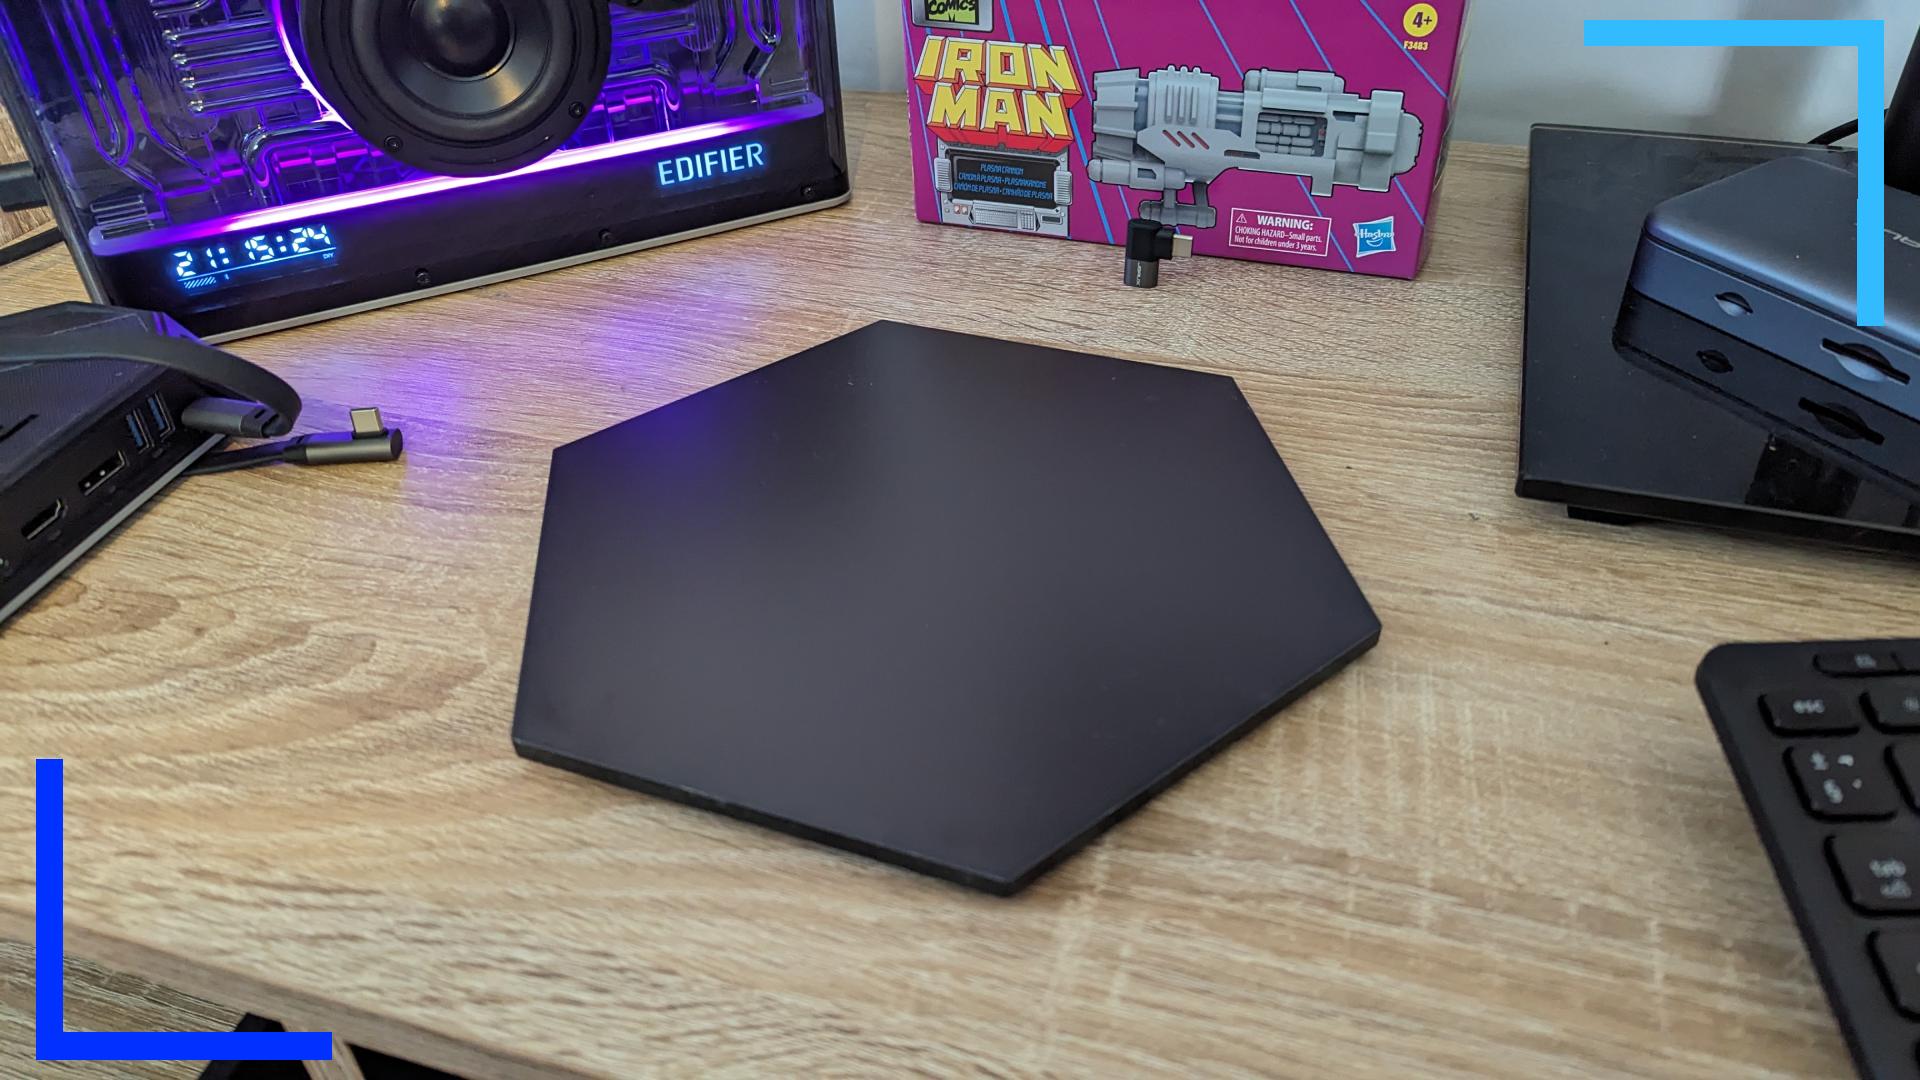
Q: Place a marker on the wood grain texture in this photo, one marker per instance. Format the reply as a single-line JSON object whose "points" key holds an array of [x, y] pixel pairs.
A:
{"points": [[97, 1000], [342, 1066], [1504, 844], [20, 223]]}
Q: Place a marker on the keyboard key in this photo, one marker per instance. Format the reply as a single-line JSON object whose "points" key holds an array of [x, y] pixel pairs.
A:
{"points": [[1863, 662], [1895, 706], [1906, 768], [1878, 868], [1842, 781], [1898, 954], [1829, 718], [1811, 711]]}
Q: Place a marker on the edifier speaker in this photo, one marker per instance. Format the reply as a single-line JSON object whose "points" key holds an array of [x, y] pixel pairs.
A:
{"points": [[244, 165]]}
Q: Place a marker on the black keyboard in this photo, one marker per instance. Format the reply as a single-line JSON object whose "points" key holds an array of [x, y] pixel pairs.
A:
{"points": [[1824, 738]]}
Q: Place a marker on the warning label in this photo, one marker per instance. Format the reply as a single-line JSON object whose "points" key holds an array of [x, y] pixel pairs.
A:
{"points": [[1274, 230]]}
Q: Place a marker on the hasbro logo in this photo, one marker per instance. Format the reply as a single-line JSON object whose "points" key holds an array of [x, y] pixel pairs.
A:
{"points": [[1373, 237]]}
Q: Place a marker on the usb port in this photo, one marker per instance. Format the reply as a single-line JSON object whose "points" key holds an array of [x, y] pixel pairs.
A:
{"points": [[103, 472], [137, 428], [44, 520], [158, 418]]}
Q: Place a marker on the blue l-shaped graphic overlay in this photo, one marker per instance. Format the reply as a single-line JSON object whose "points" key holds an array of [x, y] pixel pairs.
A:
{"points": [[1868, 39], [52, 1041]]}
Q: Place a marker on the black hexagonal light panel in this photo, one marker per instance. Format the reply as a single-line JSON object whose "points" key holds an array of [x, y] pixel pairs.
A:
{"points": [[950, 602]]}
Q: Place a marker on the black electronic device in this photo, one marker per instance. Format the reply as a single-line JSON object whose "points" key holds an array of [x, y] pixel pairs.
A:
{"points": [[101, 408], [1824, 739], [1618, 443], [1149, 243], [83, 445], [1755, 307], [1648, 439], [955, 603], [250, 164]]}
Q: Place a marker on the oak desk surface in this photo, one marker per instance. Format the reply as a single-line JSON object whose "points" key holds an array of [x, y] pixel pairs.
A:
{"points": [[1502, 844]]}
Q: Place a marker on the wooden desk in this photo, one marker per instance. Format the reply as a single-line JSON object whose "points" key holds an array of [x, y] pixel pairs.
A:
{"points": [[1503, 844]]}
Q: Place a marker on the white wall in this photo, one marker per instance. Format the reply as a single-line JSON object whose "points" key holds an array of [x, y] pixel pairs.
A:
{"points": [[1525, 64]]}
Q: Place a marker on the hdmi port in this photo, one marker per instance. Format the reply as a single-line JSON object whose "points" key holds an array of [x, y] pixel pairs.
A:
{"points": [[44, 520], [103, 472]]}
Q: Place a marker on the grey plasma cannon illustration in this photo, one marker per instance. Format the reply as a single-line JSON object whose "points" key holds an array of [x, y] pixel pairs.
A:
{"points": [[1175, 127]]}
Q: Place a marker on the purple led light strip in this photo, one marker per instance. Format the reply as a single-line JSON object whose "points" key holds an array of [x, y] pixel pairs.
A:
{"points": [[293, 61], [333, 204]]}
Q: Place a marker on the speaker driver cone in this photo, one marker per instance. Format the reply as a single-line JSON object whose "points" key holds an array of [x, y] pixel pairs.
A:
{"points": [[460, 87]]}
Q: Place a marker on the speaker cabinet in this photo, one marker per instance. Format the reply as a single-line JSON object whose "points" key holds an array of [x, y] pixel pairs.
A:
{"points": [[244, 165]]}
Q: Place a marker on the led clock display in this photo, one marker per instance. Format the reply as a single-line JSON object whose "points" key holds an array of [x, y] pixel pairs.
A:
{"points": [[214, 262]]}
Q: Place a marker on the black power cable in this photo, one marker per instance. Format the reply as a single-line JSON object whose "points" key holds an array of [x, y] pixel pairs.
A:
{"points": [[370, 440], [1834, 135]]}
